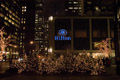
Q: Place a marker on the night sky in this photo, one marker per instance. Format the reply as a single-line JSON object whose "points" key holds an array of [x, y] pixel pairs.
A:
{"points": [[55, 7]]}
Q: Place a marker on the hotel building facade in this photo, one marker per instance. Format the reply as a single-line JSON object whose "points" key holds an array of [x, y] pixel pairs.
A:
{"points": [[79, 34]]}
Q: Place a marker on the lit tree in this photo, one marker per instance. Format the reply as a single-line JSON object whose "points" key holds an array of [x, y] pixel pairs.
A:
{"points": [[104, 46], [4, 42]]}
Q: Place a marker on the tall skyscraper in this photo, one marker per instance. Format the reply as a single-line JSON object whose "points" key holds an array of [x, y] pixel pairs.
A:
{"points": [[27, 25], [117, 27], [10, 20], [74, 7], [41, 27], [99, 7], [89, 7]]}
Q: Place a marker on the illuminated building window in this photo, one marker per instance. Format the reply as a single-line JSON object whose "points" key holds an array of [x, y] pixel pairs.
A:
{"points": [[6, 18], [6, 24], [24, 22], [40, 28], [3, 5], [41, 4], [75, 7], [21, 21], [75, 2], [70, 7], [23, 8], [24, 28], [20, 42], [36, 20], [1, 15], [66, 9], [40, 19], [97, 8], [16, 33], [79, 7], [10, 21]]}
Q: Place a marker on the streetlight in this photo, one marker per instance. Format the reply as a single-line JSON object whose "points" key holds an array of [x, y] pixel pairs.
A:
{"points": [[32, 46], [50, 50], [15, 46], [31, 42], [51, 18]]}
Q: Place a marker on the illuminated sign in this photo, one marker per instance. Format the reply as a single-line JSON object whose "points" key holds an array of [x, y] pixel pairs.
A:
{"points": [[62, 33]]}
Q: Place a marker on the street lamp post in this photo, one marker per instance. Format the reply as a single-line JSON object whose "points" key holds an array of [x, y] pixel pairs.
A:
{"points": [[32, 46]]}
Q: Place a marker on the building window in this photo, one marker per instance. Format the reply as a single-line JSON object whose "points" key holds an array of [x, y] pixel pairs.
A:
{"points": [[23, 8], [75, 7], [80, 33], [70, 7], [75, 2]]}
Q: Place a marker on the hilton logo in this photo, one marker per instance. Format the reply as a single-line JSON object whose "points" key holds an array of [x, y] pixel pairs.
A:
{"points": [[62, 33]]}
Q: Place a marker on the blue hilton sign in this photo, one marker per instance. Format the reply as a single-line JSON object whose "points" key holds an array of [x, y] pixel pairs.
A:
{"points": [[62, 33]]}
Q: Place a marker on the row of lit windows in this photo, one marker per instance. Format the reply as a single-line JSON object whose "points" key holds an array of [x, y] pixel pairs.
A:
{"points": [[14, 19], [23, 22], [7, 24], [9, 20], [13, 36], [7, 9], [23, 19], [73, 2], [74, 8], [22, 34], [22, 37], [24, 9], [39, 5], [21, 46]]}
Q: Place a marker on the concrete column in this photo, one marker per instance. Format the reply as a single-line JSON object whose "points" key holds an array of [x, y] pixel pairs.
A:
{"points": [[90, 26], [72, 40]]}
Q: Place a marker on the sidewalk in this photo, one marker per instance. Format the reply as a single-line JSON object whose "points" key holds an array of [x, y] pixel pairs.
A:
{"points": [[5, 66], [109, 75]]}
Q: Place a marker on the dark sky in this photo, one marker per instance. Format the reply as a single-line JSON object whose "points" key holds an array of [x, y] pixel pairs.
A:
{"points": [[55, 7]]}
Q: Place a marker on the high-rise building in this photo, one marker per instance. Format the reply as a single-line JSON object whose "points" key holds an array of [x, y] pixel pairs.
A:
{"points": [[99, 7], [74, 7], [10, 20], [117, 27], [41, 27], [27, 25], [89, 7]]}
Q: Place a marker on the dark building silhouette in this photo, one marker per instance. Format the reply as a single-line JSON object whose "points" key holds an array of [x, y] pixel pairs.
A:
{"points": [[74, 7], [117, 26], [99, 7], [27, 25], [89, 7]]}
